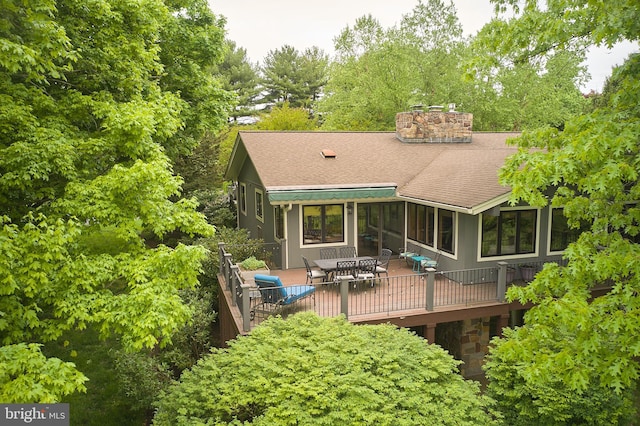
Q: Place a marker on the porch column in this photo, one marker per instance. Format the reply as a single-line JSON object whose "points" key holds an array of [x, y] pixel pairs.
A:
{"points": [[503, 322], [431, 283], [344, 297], [246, 307], [502, 281], [430, 332]]}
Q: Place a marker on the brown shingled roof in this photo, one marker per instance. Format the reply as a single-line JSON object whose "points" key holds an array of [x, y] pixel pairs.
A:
{"points": [[456, 174]]}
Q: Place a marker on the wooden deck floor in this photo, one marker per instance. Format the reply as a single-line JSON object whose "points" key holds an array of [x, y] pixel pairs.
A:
{"points": [[402, 295]]}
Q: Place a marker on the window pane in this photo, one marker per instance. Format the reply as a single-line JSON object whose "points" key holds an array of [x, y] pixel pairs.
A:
{"points": [[279, 222], [445, 231], [561, 234], [508, 232], [422, 224], [334, 223], [489, 235], [430, 225], [243, 198], [312, 226], [259, 207], [412, 231], [527, 231]]}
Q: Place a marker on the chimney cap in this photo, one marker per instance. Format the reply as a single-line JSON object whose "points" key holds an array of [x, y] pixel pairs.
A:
{"points": [[435, 107]]}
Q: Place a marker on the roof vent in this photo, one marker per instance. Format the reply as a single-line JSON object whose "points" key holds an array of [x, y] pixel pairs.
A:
{"points": [[328, 153]]}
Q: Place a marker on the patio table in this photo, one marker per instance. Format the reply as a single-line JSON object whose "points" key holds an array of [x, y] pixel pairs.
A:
{"points": [[330, 265]]}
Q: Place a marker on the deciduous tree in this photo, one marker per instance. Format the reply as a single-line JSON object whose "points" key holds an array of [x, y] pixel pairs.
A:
{"points": [[89, 115], [591, 167]]}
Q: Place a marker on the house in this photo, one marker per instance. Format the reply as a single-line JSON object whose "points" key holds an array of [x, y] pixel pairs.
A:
{"points": [[431, 186]]}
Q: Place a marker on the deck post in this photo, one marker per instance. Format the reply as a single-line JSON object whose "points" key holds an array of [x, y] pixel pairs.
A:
{"points": [[431, 283], [234, 284], [502, 281], [344, 297], [246, 307], [221, 256], [430, 332], [226, 271]]}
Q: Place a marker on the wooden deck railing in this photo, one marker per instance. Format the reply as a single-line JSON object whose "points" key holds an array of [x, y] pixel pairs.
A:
{"points": [[391, 295]]}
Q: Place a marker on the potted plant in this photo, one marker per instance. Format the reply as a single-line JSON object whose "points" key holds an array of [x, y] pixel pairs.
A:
{"points": [[527, 272], [252, 266]]}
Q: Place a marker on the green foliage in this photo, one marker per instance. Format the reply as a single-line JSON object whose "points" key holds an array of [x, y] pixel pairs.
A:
{"points": [[27, 375], [573, 345], [91, 110], [526, 394], [241, 77], [290, 76], [286, 118], [311, 370], [104, 403], [140, 376], [252, 264], [380, 72]]}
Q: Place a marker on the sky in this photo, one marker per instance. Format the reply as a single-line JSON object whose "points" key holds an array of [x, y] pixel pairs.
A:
{"points": [[260, 26]]}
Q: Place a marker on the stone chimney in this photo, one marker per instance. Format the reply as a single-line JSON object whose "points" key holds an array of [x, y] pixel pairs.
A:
{"points": [[434, 126]]}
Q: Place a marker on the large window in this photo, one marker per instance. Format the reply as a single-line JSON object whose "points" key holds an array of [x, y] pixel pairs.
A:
{"points": [[323, 223], [512, 232], [420, 226], [561, 234]]}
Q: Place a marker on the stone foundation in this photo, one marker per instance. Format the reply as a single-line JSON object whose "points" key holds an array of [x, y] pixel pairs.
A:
{"points": [[434, 127], [474, 345]]}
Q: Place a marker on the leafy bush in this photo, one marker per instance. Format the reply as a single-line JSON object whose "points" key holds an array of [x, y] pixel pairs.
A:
{"points": [[253, 264], [142, 375], [320, 371], [527, 396]]}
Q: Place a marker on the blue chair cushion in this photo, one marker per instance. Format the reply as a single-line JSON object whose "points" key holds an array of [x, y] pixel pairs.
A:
{"points": [[274, 292]]}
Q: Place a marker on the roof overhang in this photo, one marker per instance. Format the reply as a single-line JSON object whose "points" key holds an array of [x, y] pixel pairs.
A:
{"points": [[279, 195], [473, 210]]}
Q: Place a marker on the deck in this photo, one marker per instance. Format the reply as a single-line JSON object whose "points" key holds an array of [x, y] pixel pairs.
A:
{"points": [[405, 298]]}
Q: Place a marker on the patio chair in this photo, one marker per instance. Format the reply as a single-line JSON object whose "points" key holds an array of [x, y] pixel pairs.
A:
{"points": [[313, 273], [273, 292], [383, 262], [349, 251], [345, 271], [367, 270], [430, 263], [407, 255], [328, 253]]}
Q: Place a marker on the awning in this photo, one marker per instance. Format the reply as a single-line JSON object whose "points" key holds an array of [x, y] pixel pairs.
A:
{"points": [[280, 196]]}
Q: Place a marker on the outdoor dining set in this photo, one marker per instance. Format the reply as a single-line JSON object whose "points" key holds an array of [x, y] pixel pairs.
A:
{"points": [[339, 265]]}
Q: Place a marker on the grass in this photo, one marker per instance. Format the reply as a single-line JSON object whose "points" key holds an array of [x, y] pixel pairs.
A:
{"points": [[104, 403]]}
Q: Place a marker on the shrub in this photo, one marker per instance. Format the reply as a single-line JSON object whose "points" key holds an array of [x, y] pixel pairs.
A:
{"points": [[321, 371]]}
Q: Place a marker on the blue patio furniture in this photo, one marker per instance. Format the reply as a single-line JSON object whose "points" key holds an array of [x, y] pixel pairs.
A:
{"points": [[273, 292], [406, 254]]}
